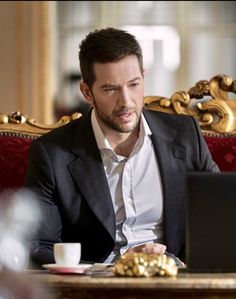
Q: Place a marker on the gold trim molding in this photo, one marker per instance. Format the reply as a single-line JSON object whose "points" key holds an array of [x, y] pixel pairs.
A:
{"points": [[210, 102], [20, 124]]}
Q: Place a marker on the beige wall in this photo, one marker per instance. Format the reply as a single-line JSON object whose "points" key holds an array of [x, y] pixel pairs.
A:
{"points": [[32, 66], [8, 57], [26, 77]]}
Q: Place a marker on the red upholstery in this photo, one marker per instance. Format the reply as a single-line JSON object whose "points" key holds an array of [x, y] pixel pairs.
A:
{"points": [[17, 131], [223, 150], [13, 161], [14, 157]]}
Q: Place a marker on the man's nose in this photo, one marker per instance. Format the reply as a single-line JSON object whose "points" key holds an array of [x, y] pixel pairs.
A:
{"points": [[124, 97]]}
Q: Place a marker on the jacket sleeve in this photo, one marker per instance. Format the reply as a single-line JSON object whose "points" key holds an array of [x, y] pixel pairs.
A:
{"points": [[204, 156], [40, 180]]}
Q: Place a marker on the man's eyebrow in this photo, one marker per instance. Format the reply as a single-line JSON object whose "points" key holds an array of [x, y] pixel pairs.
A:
{"points": [[135, 79], [106, 85]]}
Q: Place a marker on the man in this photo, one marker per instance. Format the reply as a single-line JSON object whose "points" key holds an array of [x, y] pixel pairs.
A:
{"points": [[115, 179]]}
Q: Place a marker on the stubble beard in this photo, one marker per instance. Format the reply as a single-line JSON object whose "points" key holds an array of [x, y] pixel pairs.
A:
{"points": [[112, 124]]}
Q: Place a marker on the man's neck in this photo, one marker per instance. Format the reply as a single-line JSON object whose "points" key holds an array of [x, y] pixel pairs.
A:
{"points": [[124, 144], [121, 143]]}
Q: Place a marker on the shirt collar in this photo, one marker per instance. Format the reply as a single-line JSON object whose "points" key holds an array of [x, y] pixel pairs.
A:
{"points": [[101, 140]]}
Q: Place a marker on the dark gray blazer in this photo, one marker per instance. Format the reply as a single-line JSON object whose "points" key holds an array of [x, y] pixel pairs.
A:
{"points": [[67, 174]]}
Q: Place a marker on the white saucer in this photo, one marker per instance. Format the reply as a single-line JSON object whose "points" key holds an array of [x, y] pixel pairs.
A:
{"points": [[81, 268]]}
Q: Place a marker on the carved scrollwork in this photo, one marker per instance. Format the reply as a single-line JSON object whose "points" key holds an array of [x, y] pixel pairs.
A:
{"points": [[180, 101], [200, 90], [208, 101], [18, 123], [218, 106], [62, 121], [15, 118]]}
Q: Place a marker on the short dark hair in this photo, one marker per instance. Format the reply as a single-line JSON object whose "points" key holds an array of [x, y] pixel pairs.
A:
{"points": [[106, 45]]}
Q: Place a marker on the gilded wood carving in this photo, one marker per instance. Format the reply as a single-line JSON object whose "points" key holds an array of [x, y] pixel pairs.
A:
{"points": [[18, 123], [210, 102]]}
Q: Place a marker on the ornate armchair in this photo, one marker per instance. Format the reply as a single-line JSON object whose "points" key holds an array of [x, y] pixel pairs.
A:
{"points": [[17, 131], [211, 103]]}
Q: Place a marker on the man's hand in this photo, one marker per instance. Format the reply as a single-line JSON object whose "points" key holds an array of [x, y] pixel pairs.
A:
{"points": [[148, 248], [155, 248]]}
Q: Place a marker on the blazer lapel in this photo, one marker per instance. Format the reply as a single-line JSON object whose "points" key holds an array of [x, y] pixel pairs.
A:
{"points": [[171, 158], [88, 173]]}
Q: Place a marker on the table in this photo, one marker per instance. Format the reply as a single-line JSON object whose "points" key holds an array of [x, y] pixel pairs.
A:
{"points": [[185, 285]]}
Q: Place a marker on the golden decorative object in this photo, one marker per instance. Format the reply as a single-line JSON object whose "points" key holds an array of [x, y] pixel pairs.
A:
{"points": [[18, 124], [210, 102], [145, 265]]}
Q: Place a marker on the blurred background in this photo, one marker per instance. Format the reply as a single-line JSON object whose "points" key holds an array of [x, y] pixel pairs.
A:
{"points": [[182, 41]]}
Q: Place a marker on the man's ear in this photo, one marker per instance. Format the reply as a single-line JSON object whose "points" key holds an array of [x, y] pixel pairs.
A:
{"points": [[85, 90]]}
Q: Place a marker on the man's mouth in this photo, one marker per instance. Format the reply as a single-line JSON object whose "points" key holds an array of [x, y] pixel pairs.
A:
{"points": [[124, 115]]}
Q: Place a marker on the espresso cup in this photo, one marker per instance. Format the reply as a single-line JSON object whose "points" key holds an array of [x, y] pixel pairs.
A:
{"points": [[67, 254]]}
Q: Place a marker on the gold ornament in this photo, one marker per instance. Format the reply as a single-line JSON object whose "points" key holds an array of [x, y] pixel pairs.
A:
{"points": [[145, 265]]}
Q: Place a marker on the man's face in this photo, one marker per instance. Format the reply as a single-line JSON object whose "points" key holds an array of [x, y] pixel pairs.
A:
{"points": [[117, 94]]}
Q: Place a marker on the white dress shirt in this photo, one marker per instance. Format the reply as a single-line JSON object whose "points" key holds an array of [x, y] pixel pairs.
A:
{"points": [[136, 190]]}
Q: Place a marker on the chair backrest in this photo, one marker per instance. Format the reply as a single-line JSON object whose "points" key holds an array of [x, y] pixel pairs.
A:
{"points": [[212, 104], [17, 131]]}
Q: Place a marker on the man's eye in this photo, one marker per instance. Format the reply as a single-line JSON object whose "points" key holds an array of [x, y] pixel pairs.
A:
{"points": [[134, 84], [109, 89]]}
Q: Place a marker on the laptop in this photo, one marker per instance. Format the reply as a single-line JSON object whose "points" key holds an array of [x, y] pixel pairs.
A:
{"points": [[211, 222]]}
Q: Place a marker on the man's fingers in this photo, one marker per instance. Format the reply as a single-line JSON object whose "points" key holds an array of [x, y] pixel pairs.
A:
{"points": [[156, 248], [149, 248]]}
